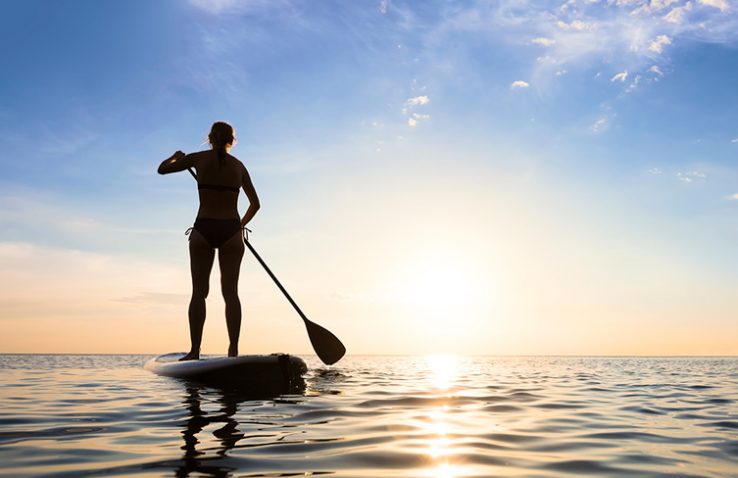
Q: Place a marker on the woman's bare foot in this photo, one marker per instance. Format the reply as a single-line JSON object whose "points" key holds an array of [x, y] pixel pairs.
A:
{"points": [[233, 351], [191, 356]]}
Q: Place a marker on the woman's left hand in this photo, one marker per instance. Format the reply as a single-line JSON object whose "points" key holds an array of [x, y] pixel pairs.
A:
{"points": [[179, 161]]}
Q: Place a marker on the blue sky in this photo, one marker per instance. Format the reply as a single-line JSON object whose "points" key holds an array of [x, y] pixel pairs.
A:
{"points": [[555, 146]]}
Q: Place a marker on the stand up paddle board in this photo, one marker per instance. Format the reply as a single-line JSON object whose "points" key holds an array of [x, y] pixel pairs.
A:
{"points": [[261, 371]]}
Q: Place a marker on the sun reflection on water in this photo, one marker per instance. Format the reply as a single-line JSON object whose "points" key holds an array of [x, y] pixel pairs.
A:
{"points": [[444, 370], [445, 470], [443, 374]]}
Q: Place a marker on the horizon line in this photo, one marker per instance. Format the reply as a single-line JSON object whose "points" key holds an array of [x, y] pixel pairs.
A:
{"points": [[407, 355]]}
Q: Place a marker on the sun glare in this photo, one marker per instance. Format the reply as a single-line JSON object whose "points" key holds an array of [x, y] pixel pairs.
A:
{"points": [[445, 470], [436, 282], [443, 369]]}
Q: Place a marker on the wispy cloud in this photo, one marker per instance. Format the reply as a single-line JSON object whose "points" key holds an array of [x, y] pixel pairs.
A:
{"points": [[600, 125], [575, 25], [418, 101], [655, 172], [543, 41], [415, 118], [677, 14], [629, 34], [217, 7], [721, 5], [657, 45], [732, 197], [691, 176], [621, 77], [383, 6], [518, 84], [634, 84], [92, 281], [409, 110]]}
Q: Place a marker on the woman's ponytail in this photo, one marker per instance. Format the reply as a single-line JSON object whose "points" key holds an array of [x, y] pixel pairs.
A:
{"points": [[221, 136]]}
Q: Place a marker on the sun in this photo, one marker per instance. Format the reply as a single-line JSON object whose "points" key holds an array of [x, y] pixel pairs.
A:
{"points": [[444, 300], [442, 283]]}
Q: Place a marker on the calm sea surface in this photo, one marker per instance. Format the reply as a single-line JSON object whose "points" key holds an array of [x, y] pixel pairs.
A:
{"points": [[442, 417]]}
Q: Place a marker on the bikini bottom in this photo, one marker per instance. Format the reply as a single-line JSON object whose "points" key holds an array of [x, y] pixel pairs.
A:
{"points": [[217, 231]]}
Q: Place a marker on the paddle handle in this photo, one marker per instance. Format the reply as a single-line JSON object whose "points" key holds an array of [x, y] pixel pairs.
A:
{"points": [[266, 268]]}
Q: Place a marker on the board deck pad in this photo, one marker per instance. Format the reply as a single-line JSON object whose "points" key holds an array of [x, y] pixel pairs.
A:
{"points": [[275, 372]]}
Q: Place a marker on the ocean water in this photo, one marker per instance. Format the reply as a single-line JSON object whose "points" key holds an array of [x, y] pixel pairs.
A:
{"points": [[436, 417]]}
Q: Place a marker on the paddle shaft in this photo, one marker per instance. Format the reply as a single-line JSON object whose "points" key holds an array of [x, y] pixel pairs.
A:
{"points": [[274, 278], [266, 268]]}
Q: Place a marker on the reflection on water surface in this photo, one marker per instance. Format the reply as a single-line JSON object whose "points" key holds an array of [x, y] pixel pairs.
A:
{"points": [[435, 417]]}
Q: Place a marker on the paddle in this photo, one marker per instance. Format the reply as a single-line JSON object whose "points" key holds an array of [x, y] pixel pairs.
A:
{"points": [[326, 345]]}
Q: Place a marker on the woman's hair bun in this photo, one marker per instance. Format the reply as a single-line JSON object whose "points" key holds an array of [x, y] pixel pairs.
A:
{"points": [[221, 135]]}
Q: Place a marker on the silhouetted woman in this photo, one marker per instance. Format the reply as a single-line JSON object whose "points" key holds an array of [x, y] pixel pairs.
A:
{"points": [[218, 225]]}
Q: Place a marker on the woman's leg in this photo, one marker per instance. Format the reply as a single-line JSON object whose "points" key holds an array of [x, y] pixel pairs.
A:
{"points": [[201, 263], [229, 259]]}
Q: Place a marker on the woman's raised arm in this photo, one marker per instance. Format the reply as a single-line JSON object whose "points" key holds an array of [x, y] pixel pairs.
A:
{"points": [[176, 162]]}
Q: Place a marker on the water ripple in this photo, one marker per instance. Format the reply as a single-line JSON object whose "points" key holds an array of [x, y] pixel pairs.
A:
{"points": [[89, 416]]}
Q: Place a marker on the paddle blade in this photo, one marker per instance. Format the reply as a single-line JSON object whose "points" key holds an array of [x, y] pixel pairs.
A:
{"points": [[326, 345]]}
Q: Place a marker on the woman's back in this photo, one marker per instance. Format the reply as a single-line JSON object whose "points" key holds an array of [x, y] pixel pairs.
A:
{"points": [[219, 181]]}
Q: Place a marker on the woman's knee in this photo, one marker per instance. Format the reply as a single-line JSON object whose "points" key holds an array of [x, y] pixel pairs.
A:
{"points": [[230, 291], [200, 291]]}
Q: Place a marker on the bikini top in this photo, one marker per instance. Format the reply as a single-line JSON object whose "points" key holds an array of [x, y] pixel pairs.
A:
{"points": [[217, 187]]}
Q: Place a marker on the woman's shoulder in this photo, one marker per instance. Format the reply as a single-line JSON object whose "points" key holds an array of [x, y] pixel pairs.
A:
{"points": [[205, 155], [198, 155], [237, 161]]}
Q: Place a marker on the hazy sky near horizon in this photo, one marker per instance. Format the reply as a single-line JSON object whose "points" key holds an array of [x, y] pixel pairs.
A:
{"points": [[483, 177]]}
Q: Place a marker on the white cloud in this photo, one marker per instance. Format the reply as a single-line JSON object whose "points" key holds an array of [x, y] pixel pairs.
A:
{"points": [[635, 83], [621, 77], [214, 6], [417, 118], [657, 45], [734, 140], [733, 197], [383, 6], [418, 101], [652, 6], [622, 38], [655, 171], [591, 34], [690, 176], [721, 5], [575, 25], [412, 103], [217, 7], [600, 125], [677, 14], [543, 41]]}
